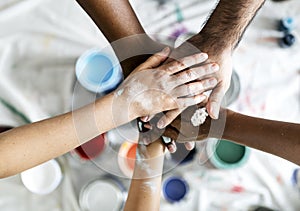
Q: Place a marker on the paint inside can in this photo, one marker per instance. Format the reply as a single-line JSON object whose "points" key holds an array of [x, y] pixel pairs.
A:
{"points": [[98, 71], [126, 158], [4, 128], [91, 149], [105, 194], [227, 155], [175, 189], [43, 179]]}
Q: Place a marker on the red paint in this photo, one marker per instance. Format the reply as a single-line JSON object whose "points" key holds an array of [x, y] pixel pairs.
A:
{"points": [[131, 156], [4, 128], [92, 148], [237, 189]]}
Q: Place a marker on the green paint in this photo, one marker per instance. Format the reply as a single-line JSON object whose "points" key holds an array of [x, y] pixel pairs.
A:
{"points": [[228, 155], [230, 152]]}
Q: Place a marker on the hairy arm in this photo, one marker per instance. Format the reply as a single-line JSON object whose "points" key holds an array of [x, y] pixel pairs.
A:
{"points": [[220, 36]]}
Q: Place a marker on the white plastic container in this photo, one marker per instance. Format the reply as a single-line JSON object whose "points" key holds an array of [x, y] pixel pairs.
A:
{"points": [[43, 179]]}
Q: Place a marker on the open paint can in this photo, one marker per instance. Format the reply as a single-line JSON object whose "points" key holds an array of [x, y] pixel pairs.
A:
{"points": [[43, 179], [98, 71], [91, 149], [175, 189], [105, 194], [126, 158], [223, 154]]}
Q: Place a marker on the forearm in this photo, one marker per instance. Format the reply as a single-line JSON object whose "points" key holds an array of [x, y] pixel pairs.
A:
{"points": [[226, 25], [145, 187], [275, 137], [116, 19], [27, 146]]}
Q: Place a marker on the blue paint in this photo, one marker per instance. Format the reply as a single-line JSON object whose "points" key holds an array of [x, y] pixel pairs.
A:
{"points": [[98, 71], [295, 177], [175, 189], [287, 41], [286, 24]]}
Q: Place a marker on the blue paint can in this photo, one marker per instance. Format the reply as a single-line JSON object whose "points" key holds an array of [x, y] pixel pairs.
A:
{"points": [[175, 189], [98, 71], [286, 24]]}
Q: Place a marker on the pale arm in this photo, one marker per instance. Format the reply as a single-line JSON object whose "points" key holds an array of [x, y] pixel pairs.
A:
{"points": [[145, 187], [29, 145]]}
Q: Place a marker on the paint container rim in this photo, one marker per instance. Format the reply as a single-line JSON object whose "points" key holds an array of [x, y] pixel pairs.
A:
{"points": [[106, 179], [104, 86], [123, 159], [77, 157], [55, 183], [221, 164], [167, 181]]}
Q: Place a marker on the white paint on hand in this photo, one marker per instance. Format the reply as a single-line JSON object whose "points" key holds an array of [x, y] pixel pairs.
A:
{"points": [[199, 117]]}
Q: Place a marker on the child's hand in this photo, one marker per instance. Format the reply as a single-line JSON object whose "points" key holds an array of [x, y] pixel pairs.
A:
{"points": [[150, 89]]}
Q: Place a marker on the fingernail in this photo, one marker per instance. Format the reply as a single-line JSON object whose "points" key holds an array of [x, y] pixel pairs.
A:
{"points": [[214, 110], [145, 119], [213, 82], [166, 50], [215, 67], [203, 56], [146, 141], [172, 148], [160, 124]]}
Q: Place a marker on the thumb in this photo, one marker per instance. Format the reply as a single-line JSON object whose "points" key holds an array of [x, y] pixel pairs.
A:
{"points": [[156, 59]]}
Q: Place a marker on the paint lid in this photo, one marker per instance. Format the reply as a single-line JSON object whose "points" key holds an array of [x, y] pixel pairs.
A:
{"points": [[102, 194], [224, 154], [91, 149], [126, 158], [182, 155], [98, 71], [175, 189], [44, 178]]}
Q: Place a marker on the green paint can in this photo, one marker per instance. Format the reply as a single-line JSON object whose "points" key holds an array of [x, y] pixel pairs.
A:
{"points": [[224, 154]]}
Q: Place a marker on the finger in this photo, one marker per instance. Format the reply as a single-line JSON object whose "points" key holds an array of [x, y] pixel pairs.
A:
{"points": [[181, 64], [189, 145], [156, 59], [195, 73], [171, 133], [147, 118], [214, 102], [194, 88], [172, 147], [189, 101], [168, 118]]}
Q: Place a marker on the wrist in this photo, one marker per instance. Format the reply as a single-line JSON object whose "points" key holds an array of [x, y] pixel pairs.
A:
{"points": [[210, 44]]}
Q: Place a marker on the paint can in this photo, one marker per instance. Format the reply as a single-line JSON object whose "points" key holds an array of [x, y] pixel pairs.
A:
{"points": [[105, 193], [98, 71], [91, 149], [233, 92], [126, 158], [296, 178], [4, 128], [182, 155], [175, 189], [43, 179], [223, 154]]}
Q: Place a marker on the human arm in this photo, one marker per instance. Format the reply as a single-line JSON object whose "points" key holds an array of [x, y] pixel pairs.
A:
{"points": [[275, 137], [27, 146], [119, 24], [145, 187], [218, 38]]}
